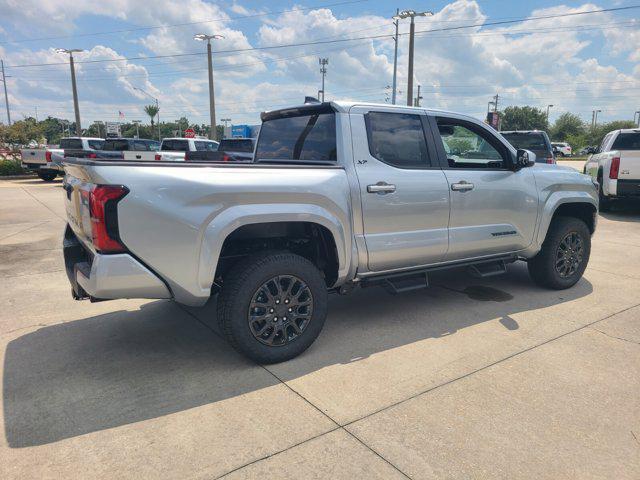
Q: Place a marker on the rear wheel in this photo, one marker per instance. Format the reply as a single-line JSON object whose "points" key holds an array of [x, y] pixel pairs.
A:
{"points": [[564, 254], [47, 176], [272, 306]]}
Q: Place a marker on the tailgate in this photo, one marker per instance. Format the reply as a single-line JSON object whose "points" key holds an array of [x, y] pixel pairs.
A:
{"points": [[629, 165], [139, 156], [34, 156]]}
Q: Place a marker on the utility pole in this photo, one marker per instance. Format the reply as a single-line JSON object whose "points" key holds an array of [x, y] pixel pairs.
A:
{"points": [[73, 86], [213, 133], [548, 107], [412, 29], [495, 102], [419, 97], [323, 70], [396, 22], [6, 95]]}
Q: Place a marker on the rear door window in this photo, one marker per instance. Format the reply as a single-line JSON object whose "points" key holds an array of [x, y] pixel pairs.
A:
{"points": [[534, 141], [96, 144], [204, 146], [397, 139], [306, 137], [627, 141]]}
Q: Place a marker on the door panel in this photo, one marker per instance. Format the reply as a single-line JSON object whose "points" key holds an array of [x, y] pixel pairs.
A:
{"points": [[493, 209], [405, 224]]}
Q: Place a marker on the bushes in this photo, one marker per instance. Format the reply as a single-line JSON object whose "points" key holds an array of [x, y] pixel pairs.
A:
{"points": [[10, 167]]}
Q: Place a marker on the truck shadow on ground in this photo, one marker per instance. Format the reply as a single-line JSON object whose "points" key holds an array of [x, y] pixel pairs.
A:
{"points": [[628, 211], [123, 367]]}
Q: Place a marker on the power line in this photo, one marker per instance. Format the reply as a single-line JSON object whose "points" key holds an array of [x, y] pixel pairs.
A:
{"points": [[173, 25], [322, 42]]}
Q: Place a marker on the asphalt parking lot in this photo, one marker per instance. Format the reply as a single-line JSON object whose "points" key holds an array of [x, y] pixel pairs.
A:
{"points": [[470, 378]]}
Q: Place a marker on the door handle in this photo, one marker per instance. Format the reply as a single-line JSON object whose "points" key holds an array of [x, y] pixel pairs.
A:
{"points": [[462, 186], [381, 188]]}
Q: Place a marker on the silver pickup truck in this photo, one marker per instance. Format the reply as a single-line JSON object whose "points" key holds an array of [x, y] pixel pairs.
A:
{"points": [[338, 195]]}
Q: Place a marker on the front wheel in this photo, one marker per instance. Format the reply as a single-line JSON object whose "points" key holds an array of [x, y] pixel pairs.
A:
{"points": [[272, 306], [564, 254]]}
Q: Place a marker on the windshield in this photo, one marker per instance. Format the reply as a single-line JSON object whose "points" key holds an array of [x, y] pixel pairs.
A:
{"points": [[236, 145], [70, 143], [627, 141], [304, 137], [175, 146], [116, 145]]}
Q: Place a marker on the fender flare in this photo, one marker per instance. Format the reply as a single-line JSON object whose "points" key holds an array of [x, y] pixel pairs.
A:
{"points": [[555, 200], [225, 223]]}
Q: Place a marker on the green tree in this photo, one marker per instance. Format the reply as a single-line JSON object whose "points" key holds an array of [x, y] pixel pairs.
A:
{"points": [[567, 125], [523, 118], [152, 111]]}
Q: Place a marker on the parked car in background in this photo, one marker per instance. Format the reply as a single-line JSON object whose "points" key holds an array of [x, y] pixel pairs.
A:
{"points": [[47, 162], [616, 166], [174, 149], [120, 149], [588, 150], [563, 149], [535, 140], [339, 194]]}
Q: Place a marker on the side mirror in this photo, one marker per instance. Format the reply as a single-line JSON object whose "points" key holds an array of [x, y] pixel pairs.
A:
{"points": [[524, 159]]}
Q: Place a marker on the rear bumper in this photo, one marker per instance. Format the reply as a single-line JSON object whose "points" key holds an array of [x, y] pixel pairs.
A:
{"points": [[628, 188], [107, 277], [34, 167]]}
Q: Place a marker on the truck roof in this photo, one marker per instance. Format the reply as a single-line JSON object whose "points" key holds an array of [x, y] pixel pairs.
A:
{"points": [[184, 138], [343, 106], [82, 138]]}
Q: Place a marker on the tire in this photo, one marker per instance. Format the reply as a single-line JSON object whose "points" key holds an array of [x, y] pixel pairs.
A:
{"points": [[47, 176], [604, 203], [542, 267], [244, 286]]}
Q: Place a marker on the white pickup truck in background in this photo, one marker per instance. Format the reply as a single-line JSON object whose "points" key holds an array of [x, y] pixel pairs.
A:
{"points": [[47, 162], [616, 166], [174, 149]]}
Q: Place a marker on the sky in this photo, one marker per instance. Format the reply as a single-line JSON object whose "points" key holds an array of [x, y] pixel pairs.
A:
{"points": [[465, 53]]}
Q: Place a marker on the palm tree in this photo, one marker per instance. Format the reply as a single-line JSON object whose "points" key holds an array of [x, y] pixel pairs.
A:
{"points": [[152, 111]]}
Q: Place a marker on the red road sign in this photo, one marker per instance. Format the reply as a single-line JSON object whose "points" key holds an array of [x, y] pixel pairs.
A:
{"points": [[189, 133]]}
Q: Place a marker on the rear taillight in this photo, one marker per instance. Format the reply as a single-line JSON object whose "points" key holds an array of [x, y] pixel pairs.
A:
{"points": [[158, 157], [551, 160], [47, 155], [92, 155], [187, 156], [226, 158], [103, 207], [615, 168]]}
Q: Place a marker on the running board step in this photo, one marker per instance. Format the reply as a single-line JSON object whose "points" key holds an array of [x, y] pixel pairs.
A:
{"points": [[400, 283], [488, 269]]}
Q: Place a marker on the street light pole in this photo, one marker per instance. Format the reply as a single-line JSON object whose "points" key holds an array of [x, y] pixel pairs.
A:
{"points": [[595, 118], [548, 107], [6, 96], [73, 86], [412, 15], [213, 134]]}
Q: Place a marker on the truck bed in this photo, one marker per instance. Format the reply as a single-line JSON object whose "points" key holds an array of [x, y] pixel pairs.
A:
{"points": [[176, 215]]}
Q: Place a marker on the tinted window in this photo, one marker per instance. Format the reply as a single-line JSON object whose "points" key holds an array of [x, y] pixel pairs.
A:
{"points": [[304, 137], [469, 146], [235, 145], [397, 139], [627, 141], [96, 144], [534, 141], [70, 143], [175, 145], [116, 145], [152, 145], [204, 146]]}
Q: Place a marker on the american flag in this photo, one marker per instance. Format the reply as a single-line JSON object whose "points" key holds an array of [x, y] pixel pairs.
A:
{"points": [[120, 115]]}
